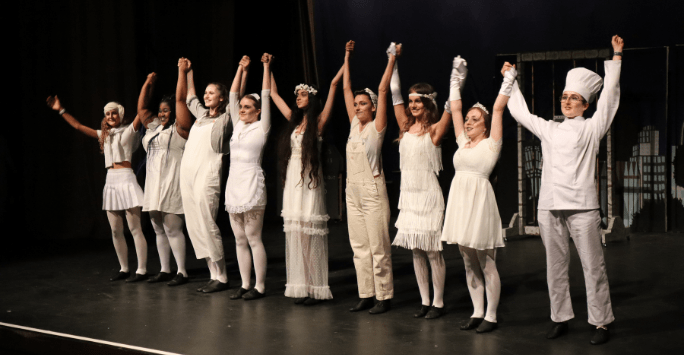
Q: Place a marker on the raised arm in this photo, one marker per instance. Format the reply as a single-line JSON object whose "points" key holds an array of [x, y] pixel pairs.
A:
{"points": [[459, 71], [346, 82], [53, 103], [236, 90], [245, 74], [325, 114], [517, 105], [144, 99], [266, 93], [497, 117], [438, 129], [183, 115], [191, 83], [383, 89], [608, 102], [279, 102], [395, 87]]}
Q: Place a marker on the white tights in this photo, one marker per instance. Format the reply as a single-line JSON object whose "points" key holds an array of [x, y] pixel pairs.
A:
{"points": [[170, 237], [217, 270], [420, 259], [116, 223], [247, 228], [482, 277]]}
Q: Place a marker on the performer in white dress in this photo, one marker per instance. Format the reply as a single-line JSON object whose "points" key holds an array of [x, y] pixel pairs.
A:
{"points": [[122, 196], [421, 203], [472, 217], [164, 142], [246, 187], [368, 212], [200, 177], [568, 202], [304, 213]]}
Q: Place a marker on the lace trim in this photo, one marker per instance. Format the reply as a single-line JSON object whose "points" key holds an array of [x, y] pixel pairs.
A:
{"points": [[317, 292], [295, 217], [257, 202], [290, 228]]}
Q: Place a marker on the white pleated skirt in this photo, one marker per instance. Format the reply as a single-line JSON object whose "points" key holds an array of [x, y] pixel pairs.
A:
{"points": [[121, 191]]}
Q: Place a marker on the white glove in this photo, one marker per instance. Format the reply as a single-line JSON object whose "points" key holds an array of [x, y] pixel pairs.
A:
{"points": [[395, 86], [392, 49], [459, 72], [447, 106], [509, 79]]}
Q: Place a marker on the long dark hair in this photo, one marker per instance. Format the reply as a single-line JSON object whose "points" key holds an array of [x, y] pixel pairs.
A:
{"points": [[171, 101], [310, 152], [431, 111]]}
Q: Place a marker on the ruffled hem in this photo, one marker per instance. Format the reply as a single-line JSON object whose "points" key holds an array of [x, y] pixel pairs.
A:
{"points": [[243, 209], [258, 199], [500, 244], [295, 217], [316, 292], [423, 240], [305, 230]]}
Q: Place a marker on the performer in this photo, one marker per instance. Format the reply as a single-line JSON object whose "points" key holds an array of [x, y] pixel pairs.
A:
{"points": [[568, 204], [421, 203], [304, 213], [121, 195], [246, 187], [368, 210], [472, 217], [200, 177], [164, 142]]}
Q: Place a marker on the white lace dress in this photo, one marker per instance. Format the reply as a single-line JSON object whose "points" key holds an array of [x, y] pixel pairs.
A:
{"points": [[472, 215], [306, 230], [421, 204]]}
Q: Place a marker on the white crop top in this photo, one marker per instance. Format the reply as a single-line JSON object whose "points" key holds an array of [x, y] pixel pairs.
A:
{"points": [[119, 145]]}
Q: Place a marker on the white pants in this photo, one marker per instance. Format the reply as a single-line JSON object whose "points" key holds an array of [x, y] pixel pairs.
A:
{"points": [[583, 226]]}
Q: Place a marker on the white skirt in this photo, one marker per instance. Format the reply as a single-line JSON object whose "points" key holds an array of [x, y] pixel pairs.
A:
{"points": [[121, 191]]}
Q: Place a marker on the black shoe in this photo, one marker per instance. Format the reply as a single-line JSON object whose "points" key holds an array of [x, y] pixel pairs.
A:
{"points": [[120, 276], [253, 294], [238, 294], [422, 312], [486, 327], [435, 312], [137, 278], [557, 329], [472, 323], [601, 336], [300, 300], [364, 303], [381, 307], [312, 301], [216, 286], [178, 280], [160, 277], [205, 286]]}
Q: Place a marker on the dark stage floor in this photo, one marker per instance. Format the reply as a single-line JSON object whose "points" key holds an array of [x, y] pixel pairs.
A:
{"points": [[64, 288]]}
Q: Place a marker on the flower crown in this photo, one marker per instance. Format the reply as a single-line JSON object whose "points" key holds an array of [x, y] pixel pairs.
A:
{"points": [[431, 96], [306, 88], [373, 97], [481, 107]]}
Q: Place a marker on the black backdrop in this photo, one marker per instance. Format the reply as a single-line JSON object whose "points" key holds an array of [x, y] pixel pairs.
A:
{"points": [[90, 53]]}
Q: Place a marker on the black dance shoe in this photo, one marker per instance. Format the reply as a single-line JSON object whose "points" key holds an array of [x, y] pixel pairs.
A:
{"points": [[364, 303], [422, 312], [120, 276], [137, 278], [205, 285], [557, 329], [300, 300], [178, 280], [238, 294], [381, 307], [601, 336], [312, 301], [216, 286], [160, 277], [472, 323], [435, 312], [253, 294], [486, 327]]}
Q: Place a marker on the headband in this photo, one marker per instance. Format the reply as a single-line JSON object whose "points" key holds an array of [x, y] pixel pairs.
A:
{"points": [[373, 97], [114, 106], [481, 107], [305, 87], [255, 96], [427, 96]]}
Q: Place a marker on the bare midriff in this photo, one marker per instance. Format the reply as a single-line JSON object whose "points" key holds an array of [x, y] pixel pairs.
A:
{"points": [[122, 165]]}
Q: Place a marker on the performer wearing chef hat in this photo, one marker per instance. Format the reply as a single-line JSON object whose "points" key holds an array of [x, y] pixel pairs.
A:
{"points": [[568, 202]]}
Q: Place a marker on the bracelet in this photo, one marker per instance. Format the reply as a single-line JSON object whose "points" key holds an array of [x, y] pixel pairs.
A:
{"points": [[617, 53], [62, 111]]}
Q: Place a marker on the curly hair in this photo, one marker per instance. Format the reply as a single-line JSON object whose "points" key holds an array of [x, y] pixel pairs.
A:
{"points": [[171, 101], [105, 128], [431, 115], [223, 93], [310, 160]]}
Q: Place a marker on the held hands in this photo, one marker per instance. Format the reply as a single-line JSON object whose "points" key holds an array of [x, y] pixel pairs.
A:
{"points": [[184, 65], [244, 62], [394, 49], [459, 72], [267, 59], [617, 43], [151, 78], [349, 49], [509, 73], [53, 103]]}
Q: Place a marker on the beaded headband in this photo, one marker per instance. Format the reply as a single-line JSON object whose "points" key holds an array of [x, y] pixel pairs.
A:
{"points": [[481, 107], [427, 96], [306, 88], [373, 97]]}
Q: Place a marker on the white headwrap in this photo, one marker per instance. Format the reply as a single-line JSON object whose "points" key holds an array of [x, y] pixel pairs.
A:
{"points": [[481, 107], [584, 82], [114, 106], [305, 87], [373, 97], [432, 96], [256, 96]]}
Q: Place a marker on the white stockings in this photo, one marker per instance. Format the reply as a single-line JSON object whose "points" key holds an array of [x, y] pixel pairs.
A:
{"points": [[116, 223], [247, 229], [170, 237], [420, 260], [482, 277]]}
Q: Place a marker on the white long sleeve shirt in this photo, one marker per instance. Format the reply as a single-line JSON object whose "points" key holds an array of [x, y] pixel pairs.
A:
{"points": [[569, 148]]}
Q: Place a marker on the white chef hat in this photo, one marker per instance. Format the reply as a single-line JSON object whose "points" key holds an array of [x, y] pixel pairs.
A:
{"points": [[114, 106], [584, 82]]}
